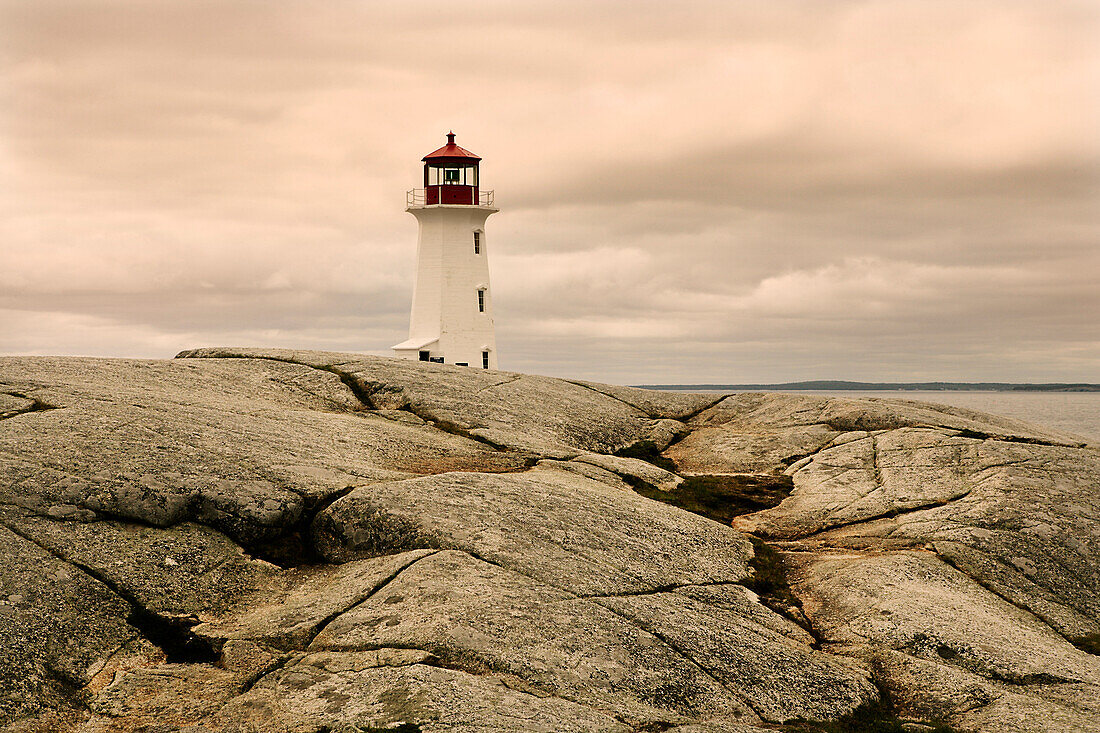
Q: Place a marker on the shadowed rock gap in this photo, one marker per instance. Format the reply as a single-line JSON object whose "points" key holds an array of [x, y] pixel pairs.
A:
{"points": [[351, 383], [373, 532], [686, 421], [453, 428], [872, 717], [968, 433], [659, 589], [647, 450], [683, 434], [172, 635], [720, 497], [1090, 643], [291, 548], [447, 426], [769, 581], [36, 405], [348, 380], [295, 546], [365, 396], [109, 516], [335, 405]]}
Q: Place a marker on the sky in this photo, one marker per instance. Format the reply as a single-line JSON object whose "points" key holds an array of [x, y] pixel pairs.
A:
{"points": [[689, 192]]}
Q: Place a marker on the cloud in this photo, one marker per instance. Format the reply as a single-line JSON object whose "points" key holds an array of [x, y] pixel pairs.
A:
{"points": [[706, 191]]}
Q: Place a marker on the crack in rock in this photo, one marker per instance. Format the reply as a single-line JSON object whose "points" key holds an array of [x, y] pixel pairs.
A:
{"points": [[21, 404], [170, 633]]}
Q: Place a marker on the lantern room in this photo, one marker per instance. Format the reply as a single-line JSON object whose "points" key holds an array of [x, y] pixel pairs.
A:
{"points": [[450, 176]]}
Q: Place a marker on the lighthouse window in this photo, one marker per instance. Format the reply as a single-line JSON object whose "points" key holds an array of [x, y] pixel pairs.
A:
{"points": [[484, 359], [481, 301], [477, 243], [463, 176]]}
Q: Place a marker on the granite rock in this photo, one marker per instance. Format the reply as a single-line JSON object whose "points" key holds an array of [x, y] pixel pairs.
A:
{"points": [[562, 528], [754, 432], [550, 417], [269, 540]]}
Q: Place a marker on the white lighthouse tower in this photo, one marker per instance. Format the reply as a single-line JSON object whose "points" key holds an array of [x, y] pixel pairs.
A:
{"points": [[452, 309]]}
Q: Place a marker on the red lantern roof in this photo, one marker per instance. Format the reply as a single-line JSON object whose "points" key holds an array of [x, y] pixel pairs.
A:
{"points": [[450, 150]]}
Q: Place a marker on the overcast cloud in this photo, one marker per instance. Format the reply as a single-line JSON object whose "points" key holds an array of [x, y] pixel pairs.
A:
{"points": [[689, 192]]}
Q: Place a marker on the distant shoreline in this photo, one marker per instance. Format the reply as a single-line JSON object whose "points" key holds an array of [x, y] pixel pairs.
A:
{"points": [[834, 385]]}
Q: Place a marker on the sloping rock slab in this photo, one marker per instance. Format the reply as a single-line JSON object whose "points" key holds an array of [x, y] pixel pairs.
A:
{"points": [[656, 403], [1024, 519], [780, 678], [954, 648], [474, 615], [633, 468], [56, 624], [547, 416], [289, 615], [188, 570], [761, 432], [355, 692], [246, 447], [775, 410], [562, 528]]}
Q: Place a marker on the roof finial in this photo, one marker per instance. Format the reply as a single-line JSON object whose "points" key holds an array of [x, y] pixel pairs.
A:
{"points": [[450, 138]]}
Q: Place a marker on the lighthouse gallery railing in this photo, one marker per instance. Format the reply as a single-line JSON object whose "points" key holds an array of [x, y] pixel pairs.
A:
{"points": [[419, 197]]}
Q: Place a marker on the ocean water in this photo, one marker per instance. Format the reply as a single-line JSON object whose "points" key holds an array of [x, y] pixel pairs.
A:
{"points": [[1072, 412]]}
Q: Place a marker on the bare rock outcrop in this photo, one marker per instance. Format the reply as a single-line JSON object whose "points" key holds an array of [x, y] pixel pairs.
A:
{"points": [[270, 540]]}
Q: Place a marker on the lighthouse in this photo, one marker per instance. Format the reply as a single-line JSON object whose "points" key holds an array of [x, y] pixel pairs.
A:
{"points": [[452, 308]]}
